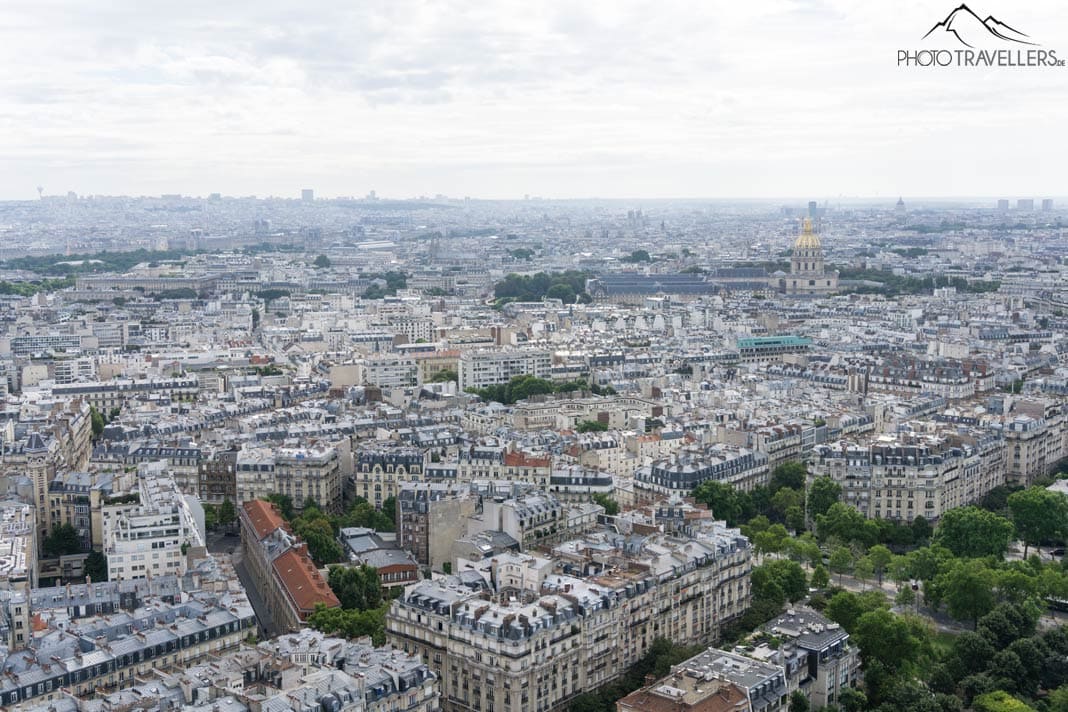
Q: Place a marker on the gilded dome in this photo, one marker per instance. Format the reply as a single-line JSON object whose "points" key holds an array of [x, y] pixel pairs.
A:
{"points": [[807, 240]]}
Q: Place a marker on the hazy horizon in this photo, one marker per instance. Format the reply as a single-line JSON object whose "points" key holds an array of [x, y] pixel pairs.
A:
{"points": [[611, 101]]}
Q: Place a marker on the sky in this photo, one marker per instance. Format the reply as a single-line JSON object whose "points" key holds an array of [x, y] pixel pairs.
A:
{"points": [[716, 99]]}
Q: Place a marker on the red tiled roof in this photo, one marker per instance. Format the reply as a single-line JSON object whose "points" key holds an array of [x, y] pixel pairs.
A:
{"points": [[263, 516], [520, 459], [302, 582]]}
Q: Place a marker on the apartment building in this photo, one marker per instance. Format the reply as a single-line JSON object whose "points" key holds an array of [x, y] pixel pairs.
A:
{"points": [[1035, 443], [478, 369], [18, 547], [380, 472], [535, 642], [530, 518], [816, 653], [105, 395], [387, 371], [150, 538], [741, 468], [163, 627], [299, 473], [431, 516], [279, 564], [913, 474]]}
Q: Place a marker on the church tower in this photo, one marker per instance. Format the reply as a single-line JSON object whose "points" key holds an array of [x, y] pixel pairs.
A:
{"points": [[807, 271]]}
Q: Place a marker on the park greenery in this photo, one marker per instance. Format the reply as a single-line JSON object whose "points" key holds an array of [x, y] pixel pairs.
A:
{"points": [[222, 515], [444, 376], [521, 253], [568, 287], [995, 655], [319, 530], [363, 606], [61, 541], [32, 287], [611, 507], [393, 282], [890, 284], [58, 264], [636, 257], [523, 387]]}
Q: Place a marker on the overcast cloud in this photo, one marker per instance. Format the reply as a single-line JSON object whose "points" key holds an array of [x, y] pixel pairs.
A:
{"points": [[502, 99]]}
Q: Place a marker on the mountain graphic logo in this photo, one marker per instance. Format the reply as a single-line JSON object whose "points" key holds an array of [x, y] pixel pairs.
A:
{"points": [[971, 30]]}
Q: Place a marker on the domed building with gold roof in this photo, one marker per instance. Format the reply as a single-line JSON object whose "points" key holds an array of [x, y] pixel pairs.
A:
{"points": [[808, 275]]}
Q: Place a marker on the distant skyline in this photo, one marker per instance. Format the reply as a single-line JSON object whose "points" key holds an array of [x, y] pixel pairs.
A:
{"points": [[501, 100]]}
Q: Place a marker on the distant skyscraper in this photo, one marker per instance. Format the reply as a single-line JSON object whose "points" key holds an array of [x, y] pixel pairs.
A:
{"points": [[1025, 204], [813, 209], [1047, 204], [1003, 204], [307, 195], [900, 207]]}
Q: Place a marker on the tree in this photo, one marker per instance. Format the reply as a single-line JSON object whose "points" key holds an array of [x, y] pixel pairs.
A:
{"points": [[62, 540], [803, 548], [591, 426], [905, 596], [211, 516], [255, 317], [840, 561], [967, 589], [611, 507], [350, 623], [999, 701], [1058, 700], [561, 291], [322, 261], [795, 518], [1040, 515], [318, 534], [880, 557], [921, 529], [925, 563], [846, 607], [853, 700], [356, 587], [444, 376], [788, 575], [96, 566], [1008, 622], [784, 499], [887, 638], [96, 422], [284, 503], [822, 493], [363, 514], [227, 512], [820, 578], [637, 256], [974, 532], [725, 502], [790, 474], [864, 569], [847, 524], [389, 508], [799, 702]]}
